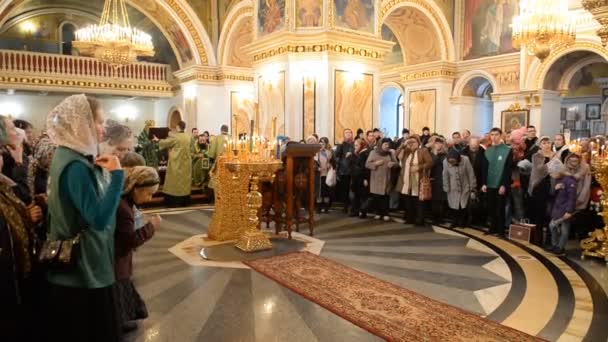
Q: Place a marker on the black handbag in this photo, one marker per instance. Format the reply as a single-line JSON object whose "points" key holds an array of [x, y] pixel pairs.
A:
{"points": [[60, 254]]}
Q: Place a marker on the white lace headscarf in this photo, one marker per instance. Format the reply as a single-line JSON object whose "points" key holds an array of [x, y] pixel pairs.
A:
{"points": [[71, 124]]}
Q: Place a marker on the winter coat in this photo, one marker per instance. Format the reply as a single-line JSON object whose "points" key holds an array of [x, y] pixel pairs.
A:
{"points": [[127, 239], [380, 178], [360, 172], [425, 162], [478, 162], [437, 177], [458, 182], [342, 162], [565, 198]]}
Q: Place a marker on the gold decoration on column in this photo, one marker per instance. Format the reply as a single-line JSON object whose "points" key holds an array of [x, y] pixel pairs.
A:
{"points": [[599, 9], [597, 244]]}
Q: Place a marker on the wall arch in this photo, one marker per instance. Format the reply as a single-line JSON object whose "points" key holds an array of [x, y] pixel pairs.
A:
{"points": [[538, 71], [238, 15], [433, 13], [174, 116], [572, 70], [468, 76], [179, 12]]}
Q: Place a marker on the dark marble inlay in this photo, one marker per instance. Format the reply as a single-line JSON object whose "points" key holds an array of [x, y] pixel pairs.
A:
{"points": [[233, 319], [438, 258], [143, 276], [379, 232], [456, 242], [455, 281]]}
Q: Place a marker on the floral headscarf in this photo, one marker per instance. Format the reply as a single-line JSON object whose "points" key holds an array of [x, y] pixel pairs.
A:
{"points": [[140, 177], [71, 124]]}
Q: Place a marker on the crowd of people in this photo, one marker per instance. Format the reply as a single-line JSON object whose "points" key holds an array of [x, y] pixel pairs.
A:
{"points": [[70, 198], [494, 181]]}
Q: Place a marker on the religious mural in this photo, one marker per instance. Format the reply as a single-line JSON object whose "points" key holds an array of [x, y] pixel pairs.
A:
{"points": [[309, 107], [243, 107], [487, 27], [412, 26], [309, 13], [353, 102], [582, 83], [202, 8], [170, 26], [396, 55], [237, 57], [422, 110], [271, 16], [356, 15], [271, 99]]}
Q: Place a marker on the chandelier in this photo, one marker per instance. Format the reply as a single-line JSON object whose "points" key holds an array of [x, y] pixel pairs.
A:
{"points": [[113, 41], [542, 26]]}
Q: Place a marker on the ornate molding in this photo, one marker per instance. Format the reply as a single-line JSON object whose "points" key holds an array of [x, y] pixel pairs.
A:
{"points": [[423, 75], [214, 74], [108, 87], [337, 48], [228, 31]]}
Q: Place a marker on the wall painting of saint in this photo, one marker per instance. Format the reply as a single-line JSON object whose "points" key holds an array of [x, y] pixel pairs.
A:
{"points": [[309, 13], [487, 30], [356, 15], [271, 16]]}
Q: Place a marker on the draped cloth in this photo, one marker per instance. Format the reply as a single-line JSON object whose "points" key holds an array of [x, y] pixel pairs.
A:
{"points": [[71, 124], [411, 181]]}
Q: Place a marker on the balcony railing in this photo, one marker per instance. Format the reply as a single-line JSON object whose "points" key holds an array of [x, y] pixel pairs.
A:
{"points": [[74, 68]]}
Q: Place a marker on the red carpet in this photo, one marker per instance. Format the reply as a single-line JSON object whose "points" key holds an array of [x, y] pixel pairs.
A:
{"points": [[383, 309]]}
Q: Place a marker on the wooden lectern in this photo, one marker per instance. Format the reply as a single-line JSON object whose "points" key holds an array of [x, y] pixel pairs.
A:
{"points": [[295, 186]]}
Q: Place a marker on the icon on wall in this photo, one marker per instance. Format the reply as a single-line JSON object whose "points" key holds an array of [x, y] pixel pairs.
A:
{"points": [[593, 111]]}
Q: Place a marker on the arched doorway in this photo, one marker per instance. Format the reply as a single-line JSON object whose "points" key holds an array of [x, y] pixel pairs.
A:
{"points": [[174, 118], [391, 111], [67, 31], [579, 78], [480, 89]]}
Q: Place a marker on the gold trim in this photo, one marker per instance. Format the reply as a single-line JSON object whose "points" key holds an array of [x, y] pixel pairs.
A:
{"points": [[316, 48], [209, 76], [99, 85], [422, 75]]}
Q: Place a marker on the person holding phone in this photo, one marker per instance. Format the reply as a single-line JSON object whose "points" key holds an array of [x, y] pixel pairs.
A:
{"points": [[83, 201]]}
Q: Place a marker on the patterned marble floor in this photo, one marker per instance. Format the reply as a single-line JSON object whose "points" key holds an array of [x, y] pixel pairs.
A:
{"points": [[202, 303]]}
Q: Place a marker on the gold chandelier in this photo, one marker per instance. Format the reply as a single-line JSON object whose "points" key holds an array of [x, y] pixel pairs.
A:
{"points": [[113, 40], [543, 26]]}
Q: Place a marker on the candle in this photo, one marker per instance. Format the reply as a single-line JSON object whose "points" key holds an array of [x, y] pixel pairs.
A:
{"points": [[251, 136]]}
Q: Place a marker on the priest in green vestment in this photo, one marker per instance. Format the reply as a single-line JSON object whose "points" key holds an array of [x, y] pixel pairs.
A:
{"points": [[146, 147], [218, 144], [178, 179]]}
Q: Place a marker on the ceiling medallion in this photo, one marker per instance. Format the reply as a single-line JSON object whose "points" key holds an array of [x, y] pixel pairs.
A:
{"points": [[113, 41]]}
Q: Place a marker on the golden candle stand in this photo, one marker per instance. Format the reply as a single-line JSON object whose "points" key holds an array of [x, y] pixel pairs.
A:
{"points": [[596, 245], [250, 238]]}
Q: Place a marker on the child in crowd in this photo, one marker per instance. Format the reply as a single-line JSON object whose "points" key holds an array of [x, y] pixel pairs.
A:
{"points": [[563, 206]]}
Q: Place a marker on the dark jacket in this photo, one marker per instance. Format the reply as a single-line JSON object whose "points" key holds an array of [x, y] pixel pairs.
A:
{"points": [[18, 173], [343, 163], [478, 162], [127, 239], [531, 148], [437, 177], [359, 171], [565, 198]]}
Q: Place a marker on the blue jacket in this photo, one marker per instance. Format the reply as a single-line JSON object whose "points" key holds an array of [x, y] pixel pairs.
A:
{"points": [[565, 198]]}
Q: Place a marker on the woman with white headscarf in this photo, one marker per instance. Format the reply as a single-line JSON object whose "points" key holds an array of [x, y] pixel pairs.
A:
{"points": [[15, 166], [132, 231], [83, 202]]}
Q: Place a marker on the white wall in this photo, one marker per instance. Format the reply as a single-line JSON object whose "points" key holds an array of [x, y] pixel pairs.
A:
{"points": [[35, 107], [389, 112]]}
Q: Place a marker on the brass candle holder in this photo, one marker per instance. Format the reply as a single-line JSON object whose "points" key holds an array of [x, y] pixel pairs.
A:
{"points": [[596, 245]]}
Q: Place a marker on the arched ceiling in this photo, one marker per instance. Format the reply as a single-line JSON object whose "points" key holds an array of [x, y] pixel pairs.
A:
{"points": [[558, 69], [242, 36], [185, 35], [416, 35], [478, 87]]}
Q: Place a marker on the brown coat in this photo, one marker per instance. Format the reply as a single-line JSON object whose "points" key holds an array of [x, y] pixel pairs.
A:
{"points": [[380, 178], [127, 239], [425, 163]]}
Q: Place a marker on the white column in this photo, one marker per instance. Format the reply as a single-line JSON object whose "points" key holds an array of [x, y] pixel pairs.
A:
{"points": [[547, 118]]}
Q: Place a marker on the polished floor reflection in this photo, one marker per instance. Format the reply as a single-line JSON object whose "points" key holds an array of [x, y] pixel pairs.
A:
{"points": [[201, 303]]}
